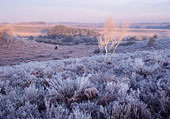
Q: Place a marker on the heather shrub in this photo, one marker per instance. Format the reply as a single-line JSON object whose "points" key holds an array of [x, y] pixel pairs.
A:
{"points": [[136, 87], [151, 41], [127, 110]]}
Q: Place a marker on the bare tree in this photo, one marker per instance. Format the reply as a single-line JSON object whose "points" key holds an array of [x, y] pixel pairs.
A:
{"points": [[111, 37]]}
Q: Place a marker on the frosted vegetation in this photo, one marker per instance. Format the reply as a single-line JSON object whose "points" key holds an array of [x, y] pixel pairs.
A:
{"points": [[126, 86], [132, 86]]}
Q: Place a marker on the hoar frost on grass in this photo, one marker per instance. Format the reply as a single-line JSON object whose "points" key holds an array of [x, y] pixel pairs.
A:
{"points": [[132, 86]]}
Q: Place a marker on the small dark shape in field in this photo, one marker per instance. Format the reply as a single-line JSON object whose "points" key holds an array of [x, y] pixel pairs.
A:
{"points": [[96, 51], [56, 47], [127, 43], [31, 37]]}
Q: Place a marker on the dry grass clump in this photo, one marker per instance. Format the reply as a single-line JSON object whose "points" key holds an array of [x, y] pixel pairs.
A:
{"points": [[112, 36]]}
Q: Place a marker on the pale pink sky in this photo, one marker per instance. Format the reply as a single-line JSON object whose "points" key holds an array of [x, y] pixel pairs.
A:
{"points": [[84, 10]]}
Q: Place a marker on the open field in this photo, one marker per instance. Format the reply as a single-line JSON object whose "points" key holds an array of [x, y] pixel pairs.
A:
{"points": [[18, 51], [26, 51], [30, 30], [47, 81]]}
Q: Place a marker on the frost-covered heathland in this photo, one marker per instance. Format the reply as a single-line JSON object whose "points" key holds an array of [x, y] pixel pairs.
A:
{"points": [[131, 86]]}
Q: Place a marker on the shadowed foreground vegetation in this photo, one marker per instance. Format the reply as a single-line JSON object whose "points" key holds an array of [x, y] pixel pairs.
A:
{"points": [[132, 86]]}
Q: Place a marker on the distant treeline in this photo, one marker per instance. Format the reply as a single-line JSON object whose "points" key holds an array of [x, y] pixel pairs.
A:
{"points": [[165, 25], [61, 30]]}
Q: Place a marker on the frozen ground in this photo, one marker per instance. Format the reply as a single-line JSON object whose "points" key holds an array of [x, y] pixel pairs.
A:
{"points": [[134, 85], [19, 51]]}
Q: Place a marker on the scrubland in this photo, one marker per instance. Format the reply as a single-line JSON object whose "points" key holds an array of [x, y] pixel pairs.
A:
{"points": [[125, 78], [133, 86]]}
